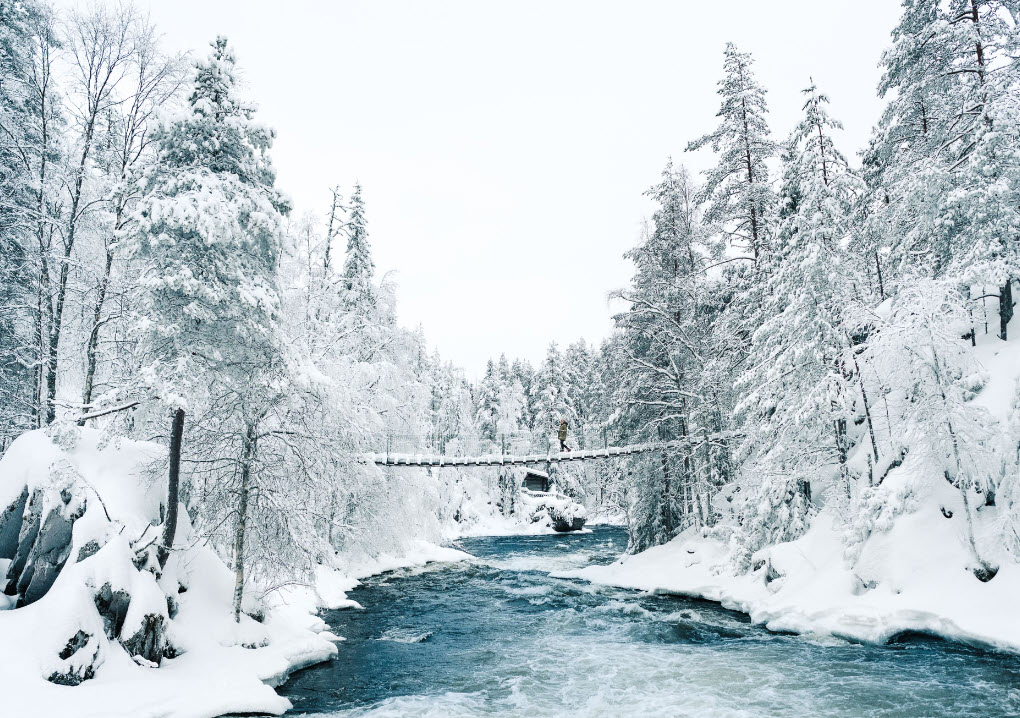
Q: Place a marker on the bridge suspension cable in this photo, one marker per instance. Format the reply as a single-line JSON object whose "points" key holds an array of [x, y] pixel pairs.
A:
{"points": [[513, 459]]}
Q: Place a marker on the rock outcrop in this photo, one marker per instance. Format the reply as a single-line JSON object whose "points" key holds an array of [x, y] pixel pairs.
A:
{"points": [[43, 523]]}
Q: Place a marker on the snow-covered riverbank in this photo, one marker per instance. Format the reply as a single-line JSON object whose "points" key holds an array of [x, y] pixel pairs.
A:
{"points": [[901, 562], [917, 582], [110, 615]]}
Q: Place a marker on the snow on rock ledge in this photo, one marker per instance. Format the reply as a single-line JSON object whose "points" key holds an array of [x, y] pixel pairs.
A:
{"points": [[88, 606]]}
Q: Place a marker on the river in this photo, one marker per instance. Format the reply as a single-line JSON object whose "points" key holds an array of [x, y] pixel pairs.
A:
{"points": [[499, 636]]}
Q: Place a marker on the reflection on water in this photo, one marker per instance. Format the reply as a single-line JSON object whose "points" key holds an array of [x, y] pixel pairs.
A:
{"points": [[499, 637]]}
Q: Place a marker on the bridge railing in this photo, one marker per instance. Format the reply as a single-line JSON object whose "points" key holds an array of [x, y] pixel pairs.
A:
{"points": [[504, 443]]}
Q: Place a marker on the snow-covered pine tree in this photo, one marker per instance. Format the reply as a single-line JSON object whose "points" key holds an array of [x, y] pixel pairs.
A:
{"points": [[206, 232], [739, 198], [795, 394]]}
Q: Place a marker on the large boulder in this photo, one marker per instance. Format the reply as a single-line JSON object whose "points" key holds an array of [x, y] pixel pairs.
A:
{"points": [[44, 527], [560, 513]]}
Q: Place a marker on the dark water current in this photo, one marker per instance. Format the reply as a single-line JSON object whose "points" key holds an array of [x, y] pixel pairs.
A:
{"points": [[499, 637]]}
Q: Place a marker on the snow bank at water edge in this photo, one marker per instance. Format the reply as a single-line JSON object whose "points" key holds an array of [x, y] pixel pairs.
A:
{"points": [[915, 578], [114, 635], [905, 565]]}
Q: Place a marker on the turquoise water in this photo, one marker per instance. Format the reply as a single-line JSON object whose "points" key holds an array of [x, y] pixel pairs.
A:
{"points": [[499, 637]]}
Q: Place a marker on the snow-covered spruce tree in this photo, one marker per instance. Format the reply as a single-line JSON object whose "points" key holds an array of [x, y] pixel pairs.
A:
{"points": [[665, 335], [511, 419], [916, 347], [740, 209], [354, 378], [487, 397], [206, 232], [550, 397], [358, 269], [796, 399], [737, 193], [938, 165]]}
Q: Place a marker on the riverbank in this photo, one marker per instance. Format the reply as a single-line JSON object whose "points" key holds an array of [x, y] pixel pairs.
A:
{"points": [[96, 627], [915, 578], [228, 667]]}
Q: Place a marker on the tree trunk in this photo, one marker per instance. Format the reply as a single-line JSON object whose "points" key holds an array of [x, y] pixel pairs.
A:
{"points": [[247, 456], [878, 270], [839, 426], [667, 503], [1005, 307], [170, 527], [956, 480], [867, 409], [91, 350]]}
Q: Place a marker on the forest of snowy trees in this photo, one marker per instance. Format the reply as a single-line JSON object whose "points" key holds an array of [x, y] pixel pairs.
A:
{"points": [[790, 306], [156, 286], [805, 320]]}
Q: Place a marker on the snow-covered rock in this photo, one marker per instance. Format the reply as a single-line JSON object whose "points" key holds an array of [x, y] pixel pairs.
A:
{"points": [[552, 510], [89, 607]]}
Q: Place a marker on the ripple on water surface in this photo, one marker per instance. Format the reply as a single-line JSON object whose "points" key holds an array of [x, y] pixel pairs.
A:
{"points": [[499, 637]]}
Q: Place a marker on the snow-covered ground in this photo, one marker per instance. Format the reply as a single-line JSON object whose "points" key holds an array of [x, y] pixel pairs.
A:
{"points": [[909, 568], [220, 666]]}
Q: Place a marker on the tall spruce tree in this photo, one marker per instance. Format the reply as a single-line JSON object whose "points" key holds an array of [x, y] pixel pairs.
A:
{"points": [[737, 191], [359, 269], [796, 397], [207, 237]]}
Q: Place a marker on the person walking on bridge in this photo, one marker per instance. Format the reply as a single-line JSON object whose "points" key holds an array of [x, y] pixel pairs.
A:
{"points": [[562, 435]]}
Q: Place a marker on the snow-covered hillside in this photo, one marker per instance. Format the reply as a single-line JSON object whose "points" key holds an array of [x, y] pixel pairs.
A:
{"points": [[904, 564]]}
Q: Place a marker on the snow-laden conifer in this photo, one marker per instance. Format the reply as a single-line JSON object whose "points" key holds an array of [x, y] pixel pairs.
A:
{"points": [[739, 197]]}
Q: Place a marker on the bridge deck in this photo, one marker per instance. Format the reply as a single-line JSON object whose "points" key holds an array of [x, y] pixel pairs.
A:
{"points": [[532, 459]]}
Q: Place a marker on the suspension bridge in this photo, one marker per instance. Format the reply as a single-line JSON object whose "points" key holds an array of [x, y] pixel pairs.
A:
{"points": [[504, 458]]}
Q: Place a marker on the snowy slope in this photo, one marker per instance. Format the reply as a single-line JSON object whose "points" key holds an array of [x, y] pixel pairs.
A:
{"points": [[908, 569]]}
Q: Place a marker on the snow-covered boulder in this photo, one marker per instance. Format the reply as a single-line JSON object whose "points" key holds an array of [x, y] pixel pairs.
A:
{"points": [[558, 512], [88, 605]]}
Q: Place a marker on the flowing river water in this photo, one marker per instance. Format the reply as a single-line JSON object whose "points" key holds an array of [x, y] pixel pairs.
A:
{"points": [[498, 636]]}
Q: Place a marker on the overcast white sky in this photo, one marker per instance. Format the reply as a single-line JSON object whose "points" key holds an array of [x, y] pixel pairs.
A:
{"points": [[504, 146]]}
